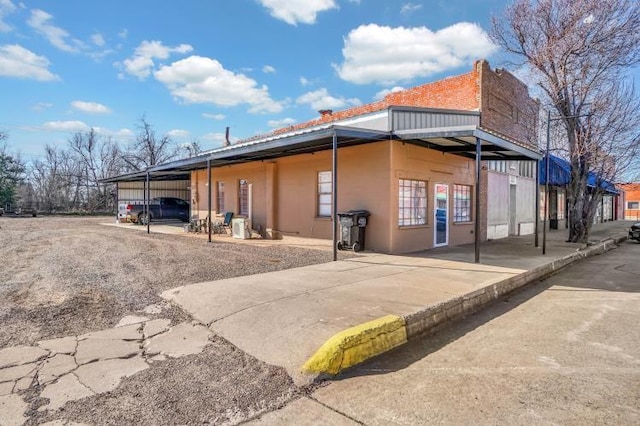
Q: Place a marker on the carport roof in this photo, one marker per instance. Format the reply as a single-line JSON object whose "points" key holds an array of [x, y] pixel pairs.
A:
{"points": [[457, 140]]}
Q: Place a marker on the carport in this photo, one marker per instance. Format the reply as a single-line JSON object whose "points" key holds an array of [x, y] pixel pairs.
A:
{"points": [[459, 134]]}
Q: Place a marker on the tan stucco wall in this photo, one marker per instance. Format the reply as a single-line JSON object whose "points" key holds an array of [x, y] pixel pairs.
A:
{"points": [[411, 162], [285, 192]]}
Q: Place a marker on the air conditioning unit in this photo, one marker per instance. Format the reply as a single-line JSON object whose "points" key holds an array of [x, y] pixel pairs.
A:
{"points": [[241, 228]]}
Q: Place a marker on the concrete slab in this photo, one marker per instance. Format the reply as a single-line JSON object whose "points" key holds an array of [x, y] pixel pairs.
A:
{"points": [[24, 384], [67, 388], [12, 409], [18, 355], [101, 349], [105, 376], [63, 345], [55, 367], [6, 388], [11, 374], [183, 339], [131, 319], [303, 411], [127, 332], [283, 317], [154, 327], [63, 423]]}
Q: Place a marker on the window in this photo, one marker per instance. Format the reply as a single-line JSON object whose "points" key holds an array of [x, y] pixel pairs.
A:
{"points": [[220, 198], [633, 205], [412, 202], [461, 203], [243, 198], [527, 169], [324, 194], [498, 166]]}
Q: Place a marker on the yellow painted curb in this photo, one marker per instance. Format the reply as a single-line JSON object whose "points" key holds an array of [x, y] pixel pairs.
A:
{"points": [[357, 344]]}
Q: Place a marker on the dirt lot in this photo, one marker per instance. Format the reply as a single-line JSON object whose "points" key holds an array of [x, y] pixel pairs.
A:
{"points": [[67, 276]]}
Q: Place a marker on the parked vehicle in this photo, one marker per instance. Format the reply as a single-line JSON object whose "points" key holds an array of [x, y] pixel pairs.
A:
{"points": [[634, 232], [159, 208]]}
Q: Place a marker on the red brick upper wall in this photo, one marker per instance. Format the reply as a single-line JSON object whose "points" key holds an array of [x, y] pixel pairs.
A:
{"points": [[506, 107], [501, 98]]}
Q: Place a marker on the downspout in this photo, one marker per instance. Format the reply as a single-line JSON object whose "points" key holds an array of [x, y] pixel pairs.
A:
{"points": [[209, 198], [334, 207]]}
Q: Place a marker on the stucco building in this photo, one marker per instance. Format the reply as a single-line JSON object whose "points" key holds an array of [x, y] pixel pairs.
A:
{"points": [[445, 163]]}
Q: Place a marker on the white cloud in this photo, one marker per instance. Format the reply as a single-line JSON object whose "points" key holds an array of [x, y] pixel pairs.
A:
{"points": [[41, 106], [409, 8], [321, 99], [16, 61], [589, 19], [41, 22], [98, 39], [268, 69], [304, 81], [295, 11], [217, 137], [65, 126], [178, 133], [384, 92], [197, 79], [282, 122], [125, 133], [123, 33], [141, 63], [214, 116], [6, 8], [90, 107], [385, 55]]}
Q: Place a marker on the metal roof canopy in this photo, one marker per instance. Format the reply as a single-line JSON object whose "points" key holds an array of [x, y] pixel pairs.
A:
{"points": [[276, 147], [462, 141]]}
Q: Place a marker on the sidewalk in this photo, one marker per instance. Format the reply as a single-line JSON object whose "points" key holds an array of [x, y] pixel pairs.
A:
{"points": [[357, 308]]}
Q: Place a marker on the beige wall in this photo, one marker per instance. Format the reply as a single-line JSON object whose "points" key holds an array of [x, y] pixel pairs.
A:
{"points": [[285, 192], [411, 162]]}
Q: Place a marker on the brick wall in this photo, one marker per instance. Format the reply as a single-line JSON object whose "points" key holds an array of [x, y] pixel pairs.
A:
{"points": [[505, 105]]}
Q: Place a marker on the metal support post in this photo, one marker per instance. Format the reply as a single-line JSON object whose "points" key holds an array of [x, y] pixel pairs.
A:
{"points": [[477, 224], [209, 198], [148, 203], [334, 207], [537, 202], [546, 187]]}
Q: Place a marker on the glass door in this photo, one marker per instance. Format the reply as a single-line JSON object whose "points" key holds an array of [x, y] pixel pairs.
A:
{"points": [[441, 215]]}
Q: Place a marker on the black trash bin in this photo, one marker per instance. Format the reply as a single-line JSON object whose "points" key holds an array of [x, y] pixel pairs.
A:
{"points": [[352, 229]]}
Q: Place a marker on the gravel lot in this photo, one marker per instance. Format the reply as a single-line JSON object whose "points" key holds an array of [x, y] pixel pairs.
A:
{"points": [[64, 276]]}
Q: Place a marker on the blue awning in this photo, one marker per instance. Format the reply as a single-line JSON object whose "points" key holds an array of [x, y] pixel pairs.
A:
{"points": [[560, 175]]}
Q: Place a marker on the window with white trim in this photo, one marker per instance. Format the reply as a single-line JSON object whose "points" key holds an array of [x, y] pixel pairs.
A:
{"points": [[412, 202], [220, 198], [243, 198], [461, 203], [633, 205], [324, 194]]}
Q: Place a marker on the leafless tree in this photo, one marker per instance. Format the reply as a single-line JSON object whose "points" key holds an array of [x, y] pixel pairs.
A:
{"points": [[101, 158], [190, 149], [148, 150], [58, 181], [579, 52]]}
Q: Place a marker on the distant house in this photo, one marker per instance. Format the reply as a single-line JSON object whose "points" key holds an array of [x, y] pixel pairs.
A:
{"points": [[460, 153], [632, 200]]}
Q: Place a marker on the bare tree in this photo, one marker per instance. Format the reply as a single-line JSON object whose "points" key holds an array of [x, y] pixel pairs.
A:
{"points": [[149, 150], [101, 158], [190, 149], [580, 52], [58, 181]]}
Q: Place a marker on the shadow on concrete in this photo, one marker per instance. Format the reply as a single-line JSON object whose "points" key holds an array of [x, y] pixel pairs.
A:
{"points": [[622, 272], [415, 350]]}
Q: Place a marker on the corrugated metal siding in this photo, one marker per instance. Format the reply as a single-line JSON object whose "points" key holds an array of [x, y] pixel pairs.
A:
{"points": [[134, 191], [408, 120]]}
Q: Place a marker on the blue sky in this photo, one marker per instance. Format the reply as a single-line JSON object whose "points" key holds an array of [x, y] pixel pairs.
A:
{"points": [[197, 66]]}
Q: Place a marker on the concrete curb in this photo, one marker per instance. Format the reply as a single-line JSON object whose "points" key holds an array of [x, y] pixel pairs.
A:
{"points": [[364, 341], [357, 344]]}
